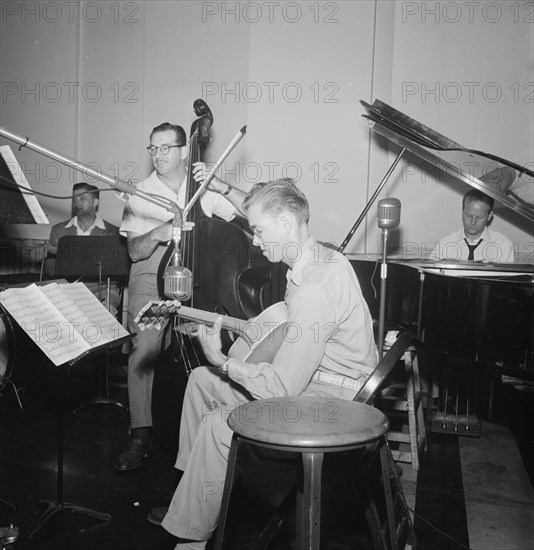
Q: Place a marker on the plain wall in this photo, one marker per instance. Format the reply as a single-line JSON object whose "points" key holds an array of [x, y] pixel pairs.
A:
{"points": [[465, 70], [92, 80]]}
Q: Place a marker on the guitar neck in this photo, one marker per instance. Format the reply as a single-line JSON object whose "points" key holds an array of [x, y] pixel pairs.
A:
{"points": [[232, 324]]}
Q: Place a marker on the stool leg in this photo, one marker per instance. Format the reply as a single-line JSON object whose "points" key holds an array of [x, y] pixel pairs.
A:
{"points": [[228, 485], [309, 503], [364, 466], [386, 484]]}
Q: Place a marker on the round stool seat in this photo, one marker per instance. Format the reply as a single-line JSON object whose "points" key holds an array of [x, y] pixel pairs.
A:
{"points": [[307, 421]]}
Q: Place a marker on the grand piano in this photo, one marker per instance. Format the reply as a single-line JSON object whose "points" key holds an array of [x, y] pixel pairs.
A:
{"points": [[473, 317]]}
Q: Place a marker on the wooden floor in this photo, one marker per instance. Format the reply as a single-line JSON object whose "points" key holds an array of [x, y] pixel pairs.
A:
{"points": [[469, 493]]}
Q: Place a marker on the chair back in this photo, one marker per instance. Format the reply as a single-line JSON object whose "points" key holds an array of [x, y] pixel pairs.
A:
{"points": [[385, 367]]}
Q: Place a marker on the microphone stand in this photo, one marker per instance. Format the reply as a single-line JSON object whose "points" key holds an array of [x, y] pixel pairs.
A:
{"points": [[120, 185], [382, 306], [388, 218], [175, 275], [116, 183], [237, 138], [177, 272]]}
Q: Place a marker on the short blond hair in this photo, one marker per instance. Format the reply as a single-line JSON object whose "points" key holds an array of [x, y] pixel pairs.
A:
{"points": [[279, 196]]}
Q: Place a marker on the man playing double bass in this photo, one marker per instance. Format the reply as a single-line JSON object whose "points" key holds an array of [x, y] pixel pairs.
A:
{"points": [[148, 229]]}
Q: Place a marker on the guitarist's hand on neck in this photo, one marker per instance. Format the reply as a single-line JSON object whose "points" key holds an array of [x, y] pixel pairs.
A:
{"points": [[210, 340]]}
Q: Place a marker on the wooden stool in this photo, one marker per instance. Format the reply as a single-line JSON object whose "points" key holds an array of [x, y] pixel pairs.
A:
{"points": [[313, 426], [404, 398]]}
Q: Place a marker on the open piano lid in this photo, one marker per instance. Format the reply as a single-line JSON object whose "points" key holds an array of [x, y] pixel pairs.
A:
{"points": [[487, 173]]}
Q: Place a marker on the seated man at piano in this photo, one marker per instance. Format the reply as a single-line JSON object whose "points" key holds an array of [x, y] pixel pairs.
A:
{"points": [[475, 241], [85, 222], [329, 350]]}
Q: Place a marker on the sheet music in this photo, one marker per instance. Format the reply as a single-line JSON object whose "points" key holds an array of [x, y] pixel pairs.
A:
{"points": [[65, 320], [44, 323], [103, 327]]}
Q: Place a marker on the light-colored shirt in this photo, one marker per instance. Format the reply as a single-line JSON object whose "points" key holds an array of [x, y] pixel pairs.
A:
{"points": [[99, 222], [141, 216], [494, 248], [329, 328]]}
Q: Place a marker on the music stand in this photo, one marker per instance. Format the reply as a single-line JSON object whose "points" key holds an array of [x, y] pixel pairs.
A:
{"points": [[94, 257], [55, 507]]}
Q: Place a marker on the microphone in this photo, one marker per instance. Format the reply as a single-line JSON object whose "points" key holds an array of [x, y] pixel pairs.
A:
{"points": [[177, 279], [388, 213]]}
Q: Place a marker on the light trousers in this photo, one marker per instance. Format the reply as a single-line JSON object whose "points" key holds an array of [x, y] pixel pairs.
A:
{"points": [[205, 440]]}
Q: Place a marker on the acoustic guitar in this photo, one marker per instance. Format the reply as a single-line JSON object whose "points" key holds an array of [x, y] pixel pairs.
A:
{"points": [[258, 339]]}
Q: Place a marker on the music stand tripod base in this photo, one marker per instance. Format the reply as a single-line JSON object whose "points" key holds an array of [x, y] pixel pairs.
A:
{"points": [[58, 506], [54, 508]]}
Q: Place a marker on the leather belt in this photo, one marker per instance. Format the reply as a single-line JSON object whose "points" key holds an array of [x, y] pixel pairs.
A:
{"points": [[337, 380]]}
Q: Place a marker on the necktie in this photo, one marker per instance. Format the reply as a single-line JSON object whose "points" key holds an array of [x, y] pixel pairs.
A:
{"points": [[472, 248]]}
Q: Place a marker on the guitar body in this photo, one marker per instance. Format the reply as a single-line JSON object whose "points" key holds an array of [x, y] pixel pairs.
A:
{"points": [[269, 329]]}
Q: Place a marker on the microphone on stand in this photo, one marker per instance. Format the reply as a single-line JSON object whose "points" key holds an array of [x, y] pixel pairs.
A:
{"points": [[388, 213], [388, 218], [177, 279]]}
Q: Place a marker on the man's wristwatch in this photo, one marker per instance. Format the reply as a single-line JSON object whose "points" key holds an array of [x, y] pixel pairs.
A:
{"points": [[228, 189], [224, 367]]}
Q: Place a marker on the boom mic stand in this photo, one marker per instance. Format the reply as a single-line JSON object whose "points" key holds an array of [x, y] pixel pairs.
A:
{"points": [[178, 279], [388, 218]]}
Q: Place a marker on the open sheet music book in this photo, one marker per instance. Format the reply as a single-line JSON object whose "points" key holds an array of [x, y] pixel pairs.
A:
{"points": [[65, 320]]}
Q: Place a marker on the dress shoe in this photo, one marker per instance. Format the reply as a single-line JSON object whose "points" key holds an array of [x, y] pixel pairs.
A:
{"points": [[132, 458], [156, 514]]}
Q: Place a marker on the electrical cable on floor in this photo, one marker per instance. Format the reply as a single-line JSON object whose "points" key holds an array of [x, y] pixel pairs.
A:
{"points": [[438, 530]]}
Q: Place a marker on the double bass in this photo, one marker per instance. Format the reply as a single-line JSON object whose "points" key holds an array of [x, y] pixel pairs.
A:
{"points": [[231, 277]]}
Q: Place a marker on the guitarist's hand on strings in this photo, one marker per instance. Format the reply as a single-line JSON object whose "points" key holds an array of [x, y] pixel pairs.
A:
{"points": [[210, 340]]}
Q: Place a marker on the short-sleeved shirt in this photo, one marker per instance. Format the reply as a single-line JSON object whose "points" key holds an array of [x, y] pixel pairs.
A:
{"points": [[141, 216]]}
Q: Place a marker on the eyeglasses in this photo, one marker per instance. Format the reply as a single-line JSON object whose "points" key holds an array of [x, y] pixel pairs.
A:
{"points": [[152, 149]]}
